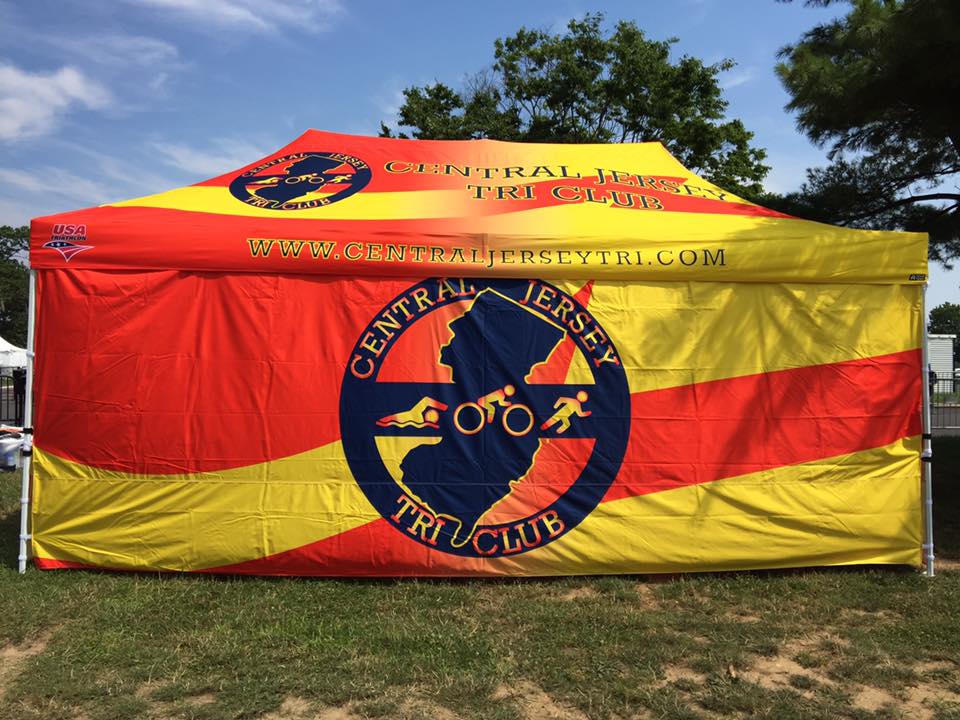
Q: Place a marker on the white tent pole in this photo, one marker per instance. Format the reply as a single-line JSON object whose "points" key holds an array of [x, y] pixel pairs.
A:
{"points": [[926, 455], [27, 447]]}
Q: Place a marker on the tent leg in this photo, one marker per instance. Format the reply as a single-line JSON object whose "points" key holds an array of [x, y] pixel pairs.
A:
{"points": [[926, 455], [26, 449]]}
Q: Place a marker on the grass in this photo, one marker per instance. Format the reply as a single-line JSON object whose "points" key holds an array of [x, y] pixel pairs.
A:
{"points": [[855, 643]]}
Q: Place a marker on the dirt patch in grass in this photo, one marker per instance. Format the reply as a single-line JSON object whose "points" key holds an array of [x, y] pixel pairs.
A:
{"points": [[13, 656], [297, 708], [779, 672], [535, 704], [673, 674], [579, 593], [416, 708], [744, 617], [782, 670], [877, 616], [918, 703], [146, 690], [872, 699], [934, 666], [648, 597], [164, 708]]}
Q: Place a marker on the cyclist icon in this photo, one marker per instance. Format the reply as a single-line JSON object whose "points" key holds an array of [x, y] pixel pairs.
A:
{"points": [[497, 397], [489, 403]]}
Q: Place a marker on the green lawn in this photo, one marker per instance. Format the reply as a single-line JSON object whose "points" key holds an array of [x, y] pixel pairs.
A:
{"points": [[805, 644]]}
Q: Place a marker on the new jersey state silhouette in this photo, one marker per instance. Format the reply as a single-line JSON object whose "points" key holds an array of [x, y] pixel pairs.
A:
{"points": [[298, 180], [495, 343]]}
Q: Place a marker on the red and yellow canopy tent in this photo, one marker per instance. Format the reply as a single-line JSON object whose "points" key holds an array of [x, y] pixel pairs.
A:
{"points": [[368, 356]]}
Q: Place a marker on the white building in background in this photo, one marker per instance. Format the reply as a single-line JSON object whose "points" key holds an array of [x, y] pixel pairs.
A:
{"points": [[941, 358], [11, 356]]}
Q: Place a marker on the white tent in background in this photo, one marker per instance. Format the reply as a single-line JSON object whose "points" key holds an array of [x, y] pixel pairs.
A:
{"points": [[12, 356]]}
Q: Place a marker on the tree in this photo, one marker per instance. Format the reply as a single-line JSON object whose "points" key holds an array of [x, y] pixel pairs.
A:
{"points": [[14, 284], [584, 87], [945, 319], [877, 87]]}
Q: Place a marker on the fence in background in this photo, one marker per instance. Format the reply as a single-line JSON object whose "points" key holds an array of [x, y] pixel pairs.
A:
{"points": [[11, 398], [945, 403]]}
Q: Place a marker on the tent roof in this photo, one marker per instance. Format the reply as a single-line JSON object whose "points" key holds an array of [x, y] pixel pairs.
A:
{"points": [[331, 203], [11, 355]]}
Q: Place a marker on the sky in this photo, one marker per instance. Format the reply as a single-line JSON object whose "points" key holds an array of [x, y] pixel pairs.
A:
{"points": [[108, 100]]}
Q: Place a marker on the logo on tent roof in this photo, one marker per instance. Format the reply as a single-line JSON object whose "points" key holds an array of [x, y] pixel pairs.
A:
{"points": [[301, 181], [484, 418]]}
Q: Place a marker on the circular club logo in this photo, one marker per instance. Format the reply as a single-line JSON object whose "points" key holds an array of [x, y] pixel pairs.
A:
{"points": [[484, 417], [301, 181]]}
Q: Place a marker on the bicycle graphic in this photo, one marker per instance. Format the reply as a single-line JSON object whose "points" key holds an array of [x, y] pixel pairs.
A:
{"points": [[471, 417]]}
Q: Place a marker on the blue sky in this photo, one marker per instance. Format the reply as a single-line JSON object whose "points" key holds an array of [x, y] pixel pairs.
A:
{"points": [[107, 100]]}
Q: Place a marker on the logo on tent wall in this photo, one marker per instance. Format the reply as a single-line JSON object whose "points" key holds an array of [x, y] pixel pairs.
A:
{"points": [[301, 181], [66, 239], [484, 418]]}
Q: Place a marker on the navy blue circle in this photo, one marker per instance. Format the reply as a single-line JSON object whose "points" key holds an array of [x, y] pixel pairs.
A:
{"points": [[308, 171], [364, 400]]}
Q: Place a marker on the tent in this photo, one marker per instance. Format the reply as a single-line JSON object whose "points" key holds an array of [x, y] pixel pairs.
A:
{"points": [[387, 357], [12, 356]]}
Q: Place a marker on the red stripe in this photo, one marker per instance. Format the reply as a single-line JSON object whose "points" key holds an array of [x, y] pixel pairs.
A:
{"points": [[225, 371], [713, 430], [50, 564]]}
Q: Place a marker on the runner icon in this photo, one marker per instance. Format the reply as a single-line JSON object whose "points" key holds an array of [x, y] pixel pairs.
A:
{"points": [[565, 408]]}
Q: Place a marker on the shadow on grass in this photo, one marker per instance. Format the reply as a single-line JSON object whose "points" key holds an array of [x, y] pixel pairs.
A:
{"points": [[9, 539], [9, 519], [946, 497]]}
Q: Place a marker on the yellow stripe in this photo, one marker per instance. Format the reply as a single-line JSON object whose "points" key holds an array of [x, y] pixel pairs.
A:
{"points": [[655, 245], [190, 522], [852, 509], [754, 249], [671, 334], [856, 508], [362, 206]]}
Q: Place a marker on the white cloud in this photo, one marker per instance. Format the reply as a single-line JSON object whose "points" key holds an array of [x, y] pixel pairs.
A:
{"points": [[159, 81], [125, 178], [56, 181], [31, 103], [310, 15], [124, 50], [221, 156], [27, 192], [737, 78]]}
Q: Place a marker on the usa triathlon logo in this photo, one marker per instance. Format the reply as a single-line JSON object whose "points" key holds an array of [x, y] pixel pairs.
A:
{"points": [[484, 417], [301, 181], [66, 240]]}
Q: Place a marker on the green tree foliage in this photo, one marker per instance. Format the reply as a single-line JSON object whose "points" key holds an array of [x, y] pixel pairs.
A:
{"points": [[14, 284], [583, 86], [945, 319], [879, 87]]}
